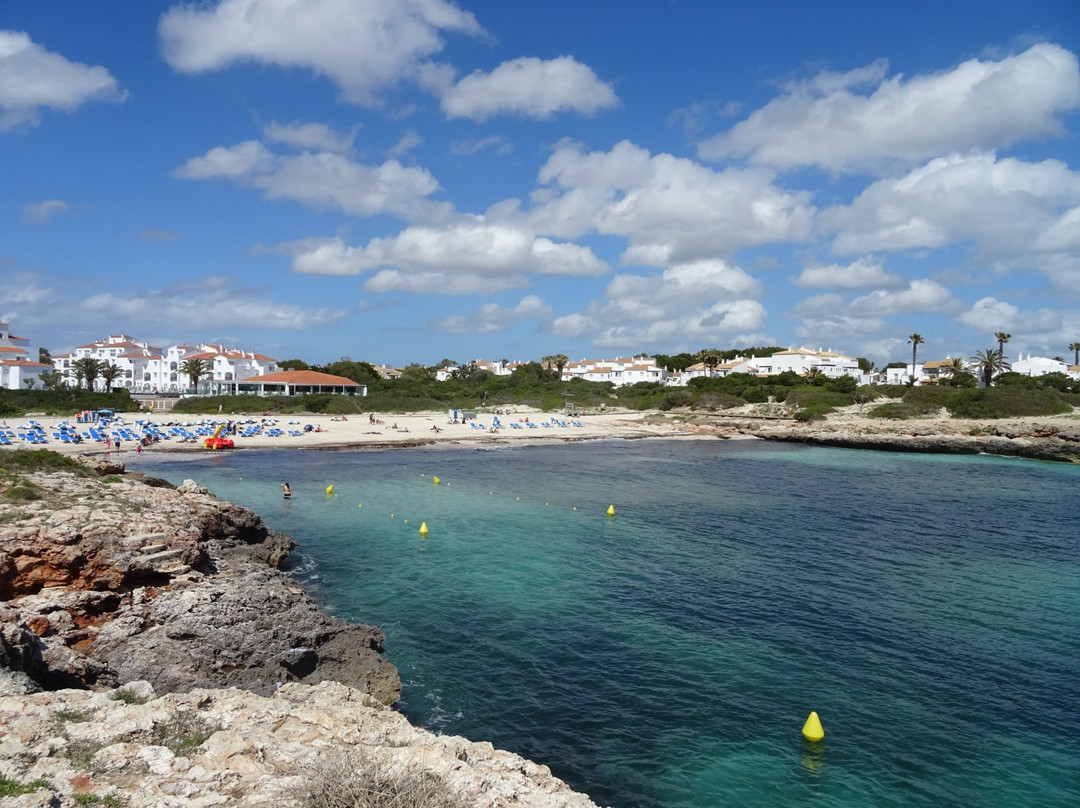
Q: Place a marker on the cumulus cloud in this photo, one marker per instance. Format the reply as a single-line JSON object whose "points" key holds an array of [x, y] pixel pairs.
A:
{"points": [[310, 136], [529, 87], [921, 296], [363, 47], [41, 212], [1008, 207], [977, 105], [468, 257], [70, 309], [864, 273], [32, 77], [321, 180], [988, 314], [492, 317], [671, 210], [699, 302]]}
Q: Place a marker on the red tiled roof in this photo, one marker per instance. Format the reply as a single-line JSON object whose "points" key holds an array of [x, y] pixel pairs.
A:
{"points": [[301, 377]]}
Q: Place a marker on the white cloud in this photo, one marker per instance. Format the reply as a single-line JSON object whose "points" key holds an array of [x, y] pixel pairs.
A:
{"points": [[863, 273], [364, 47], [671, 210], [978, 105], [471, 146], [41, 212], [921, 297], [320, 180], [311, 136], [442, 283], [70, 309], [408, 141], [701, 302], [1007, 207], [988, 314], [32, 77], [486, 252], [492, 317], [530, 87]]}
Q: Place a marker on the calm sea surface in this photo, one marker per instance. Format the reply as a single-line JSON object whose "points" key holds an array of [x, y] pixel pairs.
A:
{"points": [[927, 607]]}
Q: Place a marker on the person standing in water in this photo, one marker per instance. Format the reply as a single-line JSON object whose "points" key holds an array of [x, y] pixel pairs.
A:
{"points": [[286, 490]]}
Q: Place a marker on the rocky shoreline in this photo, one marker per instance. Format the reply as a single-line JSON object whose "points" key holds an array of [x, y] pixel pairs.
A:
{"points": [[1054, 439], [121, 578]]}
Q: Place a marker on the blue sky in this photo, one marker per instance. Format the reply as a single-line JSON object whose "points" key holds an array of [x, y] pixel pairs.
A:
{"points": [[406, 181]]}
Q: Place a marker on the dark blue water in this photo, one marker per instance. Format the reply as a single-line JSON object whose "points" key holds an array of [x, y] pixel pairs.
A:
{"points": [[927, 607]]}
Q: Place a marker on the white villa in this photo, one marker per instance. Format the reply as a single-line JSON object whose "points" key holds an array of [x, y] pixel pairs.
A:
{"points": [[17, 367], [1040, 366], [620, 371], [148, 369], [802, 361]]}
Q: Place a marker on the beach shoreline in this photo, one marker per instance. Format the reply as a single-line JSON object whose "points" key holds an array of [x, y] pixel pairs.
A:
{"points": [[1044, 437]]}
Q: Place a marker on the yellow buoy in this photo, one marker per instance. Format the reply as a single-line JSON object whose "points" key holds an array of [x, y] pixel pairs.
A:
{"points": [[812, 730], [435, 480], [610, 510], [423, 529], [329, 490]]}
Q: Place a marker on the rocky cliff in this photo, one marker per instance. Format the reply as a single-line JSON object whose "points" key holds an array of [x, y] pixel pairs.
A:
{"points": [[106, 580], [115, 589], [307, 745]]}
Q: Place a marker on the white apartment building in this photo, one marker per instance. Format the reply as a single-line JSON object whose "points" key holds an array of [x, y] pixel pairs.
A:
{"points": [[148, 369], [18, 367], [802, 361], [620, 371]]}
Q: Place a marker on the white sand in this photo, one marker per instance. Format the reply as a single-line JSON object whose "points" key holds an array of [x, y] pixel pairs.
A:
{"points": [[414, 429]]}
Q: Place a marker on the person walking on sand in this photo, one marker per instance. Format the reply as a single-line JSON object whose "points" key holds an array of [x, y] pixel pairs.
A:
{"points": [[286, 490]]}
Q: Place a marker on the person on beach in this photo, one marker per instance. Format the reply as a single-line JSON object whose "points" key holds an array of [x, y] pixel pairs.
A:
{"points": [[286, 490]]}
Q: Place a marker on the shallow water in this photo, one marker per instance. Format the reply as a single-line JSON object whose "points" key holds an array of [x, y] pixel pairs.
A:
{"points": [[927, 607]]}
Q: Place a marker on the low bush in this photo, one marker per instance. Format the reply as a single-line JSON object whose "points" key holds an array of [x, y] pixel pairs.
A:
{"points": [[360, 779], [1007, 402], [892, 409]]}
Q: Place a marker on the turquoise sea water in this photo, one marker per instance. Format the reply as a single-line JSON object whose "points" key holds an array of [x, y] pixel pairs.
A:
{"points": [[927, 607]]}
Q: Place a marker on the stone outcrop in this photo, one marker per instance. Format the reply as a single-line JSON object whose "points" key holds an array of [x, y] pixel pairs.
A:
{"points": [[235, 748], [107, 580], [1033, 439]]}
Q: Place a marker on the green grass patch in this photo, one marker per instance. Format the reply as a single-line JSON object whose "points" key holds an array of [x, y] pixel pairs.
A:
{"points": [[13, 788]]}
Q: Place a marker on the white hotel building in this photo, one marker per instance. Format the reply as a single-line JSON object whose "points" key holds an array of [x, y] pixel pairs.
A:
{"points": [[149, 369]]}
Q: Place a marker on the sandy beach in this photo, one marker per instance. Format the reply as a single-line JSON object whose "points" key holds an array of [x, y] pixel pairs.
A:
{"points": [[522, 425], [390, 430]]}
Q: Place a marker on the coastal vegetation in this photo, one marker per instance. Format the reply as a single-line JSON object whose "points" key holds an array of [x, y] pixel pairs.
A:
{"points": [[539, 385]]}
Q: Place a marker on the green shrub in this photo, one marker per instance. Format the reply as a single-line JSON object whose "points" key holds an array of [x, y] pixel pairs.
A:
{"points": [[717, 401], [676, 398], [1007, 402], [813, 413], [892, 409], [929, 399], [27, 492]]}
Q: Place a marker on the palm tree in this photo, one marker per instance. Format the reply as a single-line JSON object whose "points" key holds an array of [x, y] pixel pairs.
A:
{"points": [[990, 363], [195, 369], [1002, 338], [710, 359], [87, 369], [560, 360], [109, 374], [915, 340], [1075, 347]]}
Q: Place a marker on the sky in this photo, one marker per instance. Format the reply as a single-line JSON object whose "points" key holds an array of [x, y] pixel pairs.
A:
{"points": [[409, 181]]}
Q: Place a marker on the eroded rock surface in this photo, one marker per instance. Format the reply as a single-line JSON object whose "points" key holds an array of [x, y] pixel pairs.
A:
{"points": [[233, 747], [106, 580]]}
